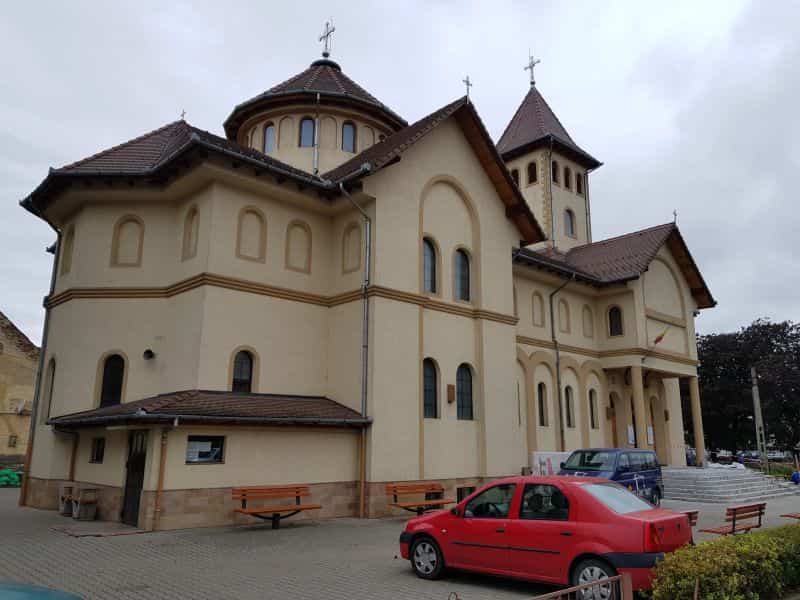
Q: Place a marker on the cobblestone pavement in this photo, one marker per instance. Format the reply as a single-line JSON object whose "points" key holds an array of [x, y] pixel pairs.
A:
{"points": [[342, 559], [347, 559]]}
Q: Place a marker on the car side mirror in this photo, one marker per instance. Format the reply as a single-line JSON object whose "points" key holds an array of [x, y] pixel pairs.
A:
{"points": [[454, 511]]}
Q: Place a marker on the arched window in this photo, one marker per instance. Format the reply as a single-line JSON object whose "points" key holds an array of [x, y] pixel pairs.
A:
{"points": [[554, 171], [464, 393], [564, 323], [113, 379], [307, 132], [430, 389], [593, 409], [242, 372], [429, 266], [579, 183], [348, 136], [615, 321], [47, 395], [66, 251], [515, 176], [567, 178], [462, 276], [269, 138], [538, 309], [569, 401], [533, 175], [541, 400], [569, 223], [191, 227], [126, 245]]}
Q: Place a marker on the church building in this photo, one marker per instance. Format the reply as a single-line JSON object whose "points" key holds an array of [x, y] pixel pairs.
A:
{"points": [[329, 295]]}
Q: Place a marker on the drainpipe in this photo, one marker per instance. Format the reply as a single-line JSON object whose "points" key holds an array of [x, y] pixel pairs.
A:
{"points": [[56, 250], [364, 343], [558, 359], [316, 139]]}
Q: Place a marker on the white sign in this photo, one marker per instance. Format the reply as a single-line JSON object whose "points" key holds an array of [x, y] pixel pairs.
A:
{"points": [[547, 463], [631, 435], [650, 435]]}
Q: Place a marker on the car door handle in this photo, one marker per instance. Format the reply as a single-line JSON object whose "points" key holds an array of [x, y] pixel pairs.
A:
{"points": [[566, 533], [500, 530]]}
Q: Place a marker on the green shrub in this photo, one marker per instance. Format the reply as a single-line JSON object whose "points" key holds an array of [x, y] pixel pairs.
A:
{"points": [[752, 566]]}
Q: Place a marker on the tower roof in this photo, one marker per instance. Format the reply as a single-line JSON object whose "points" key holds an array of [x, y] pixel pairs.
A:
{"points": [[535, 124], [323, 77]]}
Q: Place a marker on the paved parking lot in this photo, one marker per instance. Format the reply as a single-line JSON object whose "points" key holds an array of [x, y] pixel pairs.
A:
{"points": [[347, 559]]}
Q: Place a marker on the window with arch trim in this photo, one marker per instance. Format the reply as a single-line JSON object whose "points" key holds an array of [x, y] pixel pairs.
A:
{"points": [[191, 228], [242, 380], [349, 137], [430, 389], [537, 309], [579, 183], [541, 400], [430, 282], [569, 223], [533, 175], [67, 249], [615, 321], [569, 402], [113, 380], [564, 320], [269, 138], [593, 409], [306, 132], [554, 171], [462, 276], [568, 178], [515, 176], [464, 410]]}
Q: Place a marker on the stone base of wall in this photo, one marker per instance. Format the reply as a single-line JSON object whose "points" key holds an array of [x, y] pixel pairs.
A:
{"points": [[378, 502], [44, 493]]}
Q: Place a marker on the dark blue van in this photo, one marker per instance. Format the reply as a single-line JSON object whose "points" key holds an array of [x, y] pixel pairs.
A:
{"points": [[637, 470]]}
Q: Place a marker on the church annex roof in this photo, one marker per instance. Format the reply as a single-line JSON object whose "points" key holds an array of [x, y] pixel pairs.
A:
{"points": [[12, 333], [324, 77], [205, 406], [621, 259], [535, 124]]}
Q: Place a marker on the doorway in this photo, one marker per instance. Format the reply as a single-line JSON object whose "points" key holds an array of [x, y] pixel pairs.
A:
{"points": [[134, 476]]}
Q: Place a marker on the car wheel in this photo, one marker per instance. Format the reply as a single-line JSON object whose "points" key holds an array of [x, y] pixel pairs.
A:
{"points": [[426, 558], [656, 500], [592, 570]]}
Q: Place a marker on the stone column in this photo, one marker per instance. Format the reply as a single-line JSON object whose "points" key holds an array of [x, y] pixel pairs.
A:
{"points": [[697, 420], [640, 418]]}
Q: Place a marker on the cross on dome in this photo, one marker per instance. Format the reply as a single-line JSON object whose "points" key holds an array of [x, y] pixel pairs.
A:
{"points": [[532, 62], [325, 38], [468, 84]]}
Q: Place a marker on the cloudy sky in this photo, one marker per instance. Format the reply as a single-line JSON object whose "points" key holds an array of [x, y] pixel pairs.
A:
{"points": [[692, 106]]}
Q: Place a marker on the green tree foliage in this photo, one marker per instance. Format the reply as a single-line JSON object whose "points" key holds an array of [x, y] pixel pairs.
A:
{"points": [[725, 361]]}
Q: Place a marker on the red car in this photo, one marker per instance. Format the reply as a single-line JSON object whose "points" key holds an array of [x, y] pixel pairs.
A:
{"points": [[559, 530]]}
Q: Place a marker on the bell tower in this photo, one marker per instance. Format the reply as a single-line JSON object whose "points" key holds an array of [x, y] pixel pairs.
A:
{"points": [[550, 169]]}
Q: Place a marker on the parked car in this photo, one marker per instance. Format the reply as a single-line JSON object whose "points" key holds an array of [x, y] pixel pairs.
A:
{"points": [[637, 470], [557, 530], [19, 591]]}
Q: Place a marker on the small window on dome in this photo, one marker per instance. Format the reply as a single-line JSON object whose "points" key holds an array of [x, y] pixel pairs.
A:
{"points": [[349, 137], [269, 138], [307, 132]]}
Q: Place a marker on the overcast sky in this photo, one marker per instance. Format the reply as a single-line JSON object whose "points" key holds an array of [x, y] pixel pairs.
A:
{"points": [[691, 106]]}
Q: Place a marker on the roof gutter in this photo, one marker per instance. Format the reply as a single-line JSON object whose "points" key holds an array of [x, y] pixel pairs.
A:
{"points": [[145, 417]]}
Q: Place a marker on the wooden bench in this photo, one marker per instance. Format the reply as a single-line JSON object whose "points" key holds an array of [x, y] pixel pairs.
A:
{"points": [[792, 516], [277, 512], [692, 514], [395, 490], [735, 514]]}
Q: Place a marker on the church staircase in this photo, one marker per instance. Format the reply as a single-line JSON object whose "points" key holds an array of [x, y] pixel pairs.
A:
{"points": [[723, 486]]}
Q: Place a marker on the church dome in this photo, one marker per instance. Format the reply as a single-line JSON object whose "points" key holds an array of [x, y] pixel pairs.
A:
{"points": [[324, 77]]}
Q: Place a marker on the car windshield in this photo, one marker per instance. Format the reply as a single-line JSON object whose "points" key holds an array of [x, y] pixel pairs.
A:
{"points": [[590, 460], [617, 498]]}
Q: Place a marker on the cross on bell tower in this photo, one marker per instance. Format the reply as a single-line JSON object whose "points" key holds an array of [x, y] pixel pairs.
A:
{"points": [[532, 62], [325, 38], [468, 84]]}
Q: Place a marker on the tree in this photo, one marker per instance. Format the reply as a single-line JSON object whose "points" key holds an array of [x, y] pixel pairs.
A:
{"points": [[724, 371]]}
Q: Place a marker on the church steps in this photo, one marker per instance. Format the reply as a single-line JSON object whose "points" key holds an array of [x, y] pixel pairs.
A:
{"points": [[723, 486]]}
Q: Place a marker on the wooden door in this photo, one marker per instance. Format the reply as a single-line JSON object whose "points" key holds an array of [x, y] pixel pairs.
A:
{"points": [[134, 477]]}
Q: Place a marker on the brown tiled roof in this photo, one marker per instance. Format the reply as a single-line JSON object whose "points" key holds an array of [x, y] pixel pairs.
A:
{"points": [[535, 123], [392, 148], [21, 341], [324, 77], [621, 259], [204, 406]]}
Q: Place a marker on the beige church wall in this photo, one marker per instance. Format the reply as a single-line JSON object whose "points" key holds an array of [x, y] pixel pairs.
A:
{"points": [[564, 199], [597, 437], [111, 471], [305, 456], [394, 392], [51, 456], [546, 436], [443, 156], [526, 413], [287, 129], [347, 247], [534, 193], [288, 338], [343, 360], [83, 331], [272, 268], [627, 302], [451, 448], [572, 435]]}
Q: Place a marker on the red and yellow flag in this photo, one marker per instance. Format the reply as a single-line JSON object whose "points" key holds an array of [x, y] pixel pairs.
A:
{"points": [[660, 336]]}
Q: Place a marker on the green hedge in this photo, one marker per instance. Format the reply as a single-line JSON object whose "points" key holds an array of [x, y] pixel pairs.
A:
{"points": [[760, 565]]}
